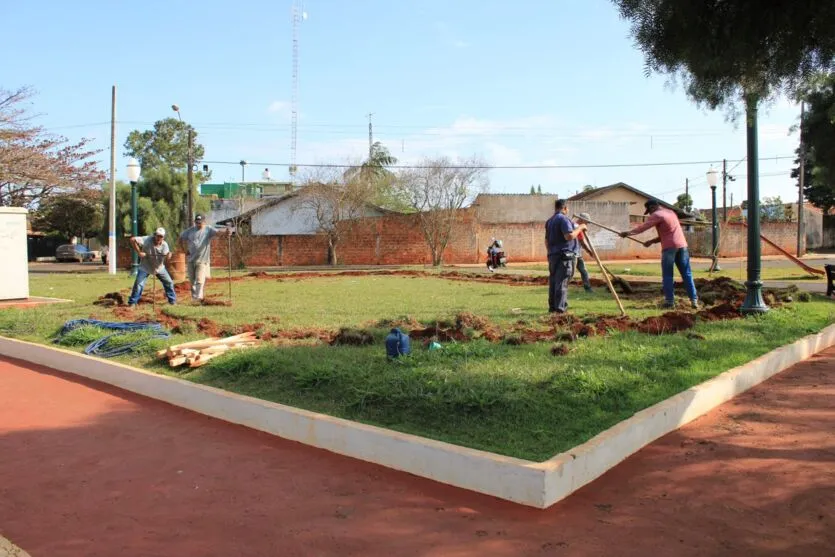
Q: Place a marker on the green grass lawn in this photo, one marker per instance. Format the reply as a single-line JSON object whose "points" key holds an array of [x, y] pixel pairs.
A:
{"points": [[514, 400]]}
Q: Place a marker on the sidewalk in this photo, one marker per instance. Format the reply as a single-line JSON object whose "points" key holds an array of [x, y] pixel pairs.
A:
{"points": [[91, 471]]}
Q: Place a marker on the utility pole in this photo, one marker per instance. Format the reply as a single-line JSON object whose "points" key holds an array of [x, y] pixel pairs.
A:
{"points": [[686, 190], [801, 225], [190, 174], [724, 190], [370, 135], [111, 229]]}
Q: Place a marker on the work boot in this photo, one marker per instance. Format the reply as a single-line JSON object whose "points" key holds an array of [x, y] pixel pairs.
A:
{"points": [[694, 304], [587, 288], [669, 305]]}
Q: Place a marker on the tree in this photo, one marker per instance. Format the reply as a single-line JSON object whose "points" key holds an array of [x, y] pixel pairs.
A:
{"points": [[533, 190], [79, 214], [375, 172], [35, 164], [160, 194], [588, 187], [724, 51], [684, 202], [539, 189], [335, 203], [818, 130], [773, 209], [437, 190], [166, 146]]}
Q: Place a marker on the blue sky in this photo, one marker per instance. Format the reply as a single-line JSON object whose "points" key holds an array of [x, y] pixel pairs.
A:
{"points": [[524, 83]]}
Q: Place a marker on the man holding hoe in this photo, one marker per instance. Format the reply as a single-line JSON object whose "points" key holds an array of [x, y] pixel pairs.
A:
{"points": [[674, 252], [197, 244], [153, 253]]}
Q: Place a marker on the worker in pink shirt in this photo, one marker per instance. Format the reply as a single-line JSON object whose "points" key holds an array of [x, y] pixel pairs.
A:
{"points": [[674, 251]]}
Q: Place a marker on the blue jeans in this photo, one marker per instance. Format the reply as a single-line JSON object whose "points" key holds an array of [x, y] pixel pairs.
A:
{"points": [[584, 274], [680, 258], [139, 284], [560, 271]]}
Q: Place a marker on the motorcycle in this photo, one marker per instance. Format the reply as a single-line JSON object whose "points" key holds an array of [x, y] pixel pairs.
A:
{"points": [[496, 257]]}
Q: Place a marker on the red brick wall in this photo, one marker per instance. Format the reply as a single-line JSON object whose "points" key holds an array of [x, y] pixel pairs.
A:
{"points": [[398, 240]]}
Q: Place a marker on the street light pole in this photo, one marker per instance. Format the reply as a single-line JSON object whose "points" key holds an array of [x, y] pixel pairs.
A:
{"points": [[133, 178], [243, 166], [189, 170], [190, 175], [801, 231], [754, 302], [711, 181]]}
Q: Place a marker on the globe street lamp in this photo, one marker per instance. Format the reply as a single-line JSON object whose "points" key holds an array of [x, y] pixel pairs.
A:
{"points": [[133, 178], [711, 181], [243, 167]]}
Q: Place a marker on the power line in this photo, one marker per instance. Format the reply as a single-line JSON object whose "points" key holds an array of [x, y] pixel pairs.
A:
{"points": [[509, 167]]}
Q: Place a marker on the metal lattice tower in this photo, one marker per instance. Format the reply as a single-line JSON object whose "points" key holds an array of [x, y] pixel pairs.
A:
{"points": [[296, 16]]}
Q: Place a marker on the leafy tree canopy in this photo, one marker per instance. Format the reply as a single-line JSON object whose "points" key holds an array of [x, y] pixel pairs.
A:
{"points": [[722, 50], [165, 146]]}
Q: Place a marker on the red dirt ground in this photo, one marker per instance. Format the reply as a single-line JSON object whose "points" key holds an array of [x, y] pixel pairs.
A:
{"points": [[89, 470]]}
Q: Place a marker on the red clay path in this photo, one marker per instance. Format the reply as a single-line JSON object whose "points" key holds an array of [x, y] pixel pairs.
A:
{"points": [[88, 470]]}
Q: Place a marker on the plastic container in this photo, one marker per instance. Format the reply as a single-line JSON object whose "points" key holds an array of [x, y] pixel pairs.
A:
{"points": [[397, 344]]}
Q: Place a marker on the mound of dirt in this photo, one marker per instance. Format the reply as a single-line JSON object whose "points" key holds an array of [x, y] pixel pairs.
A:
{"points": [[671, 322], [559, 350], [352, 337], [110, 299]]}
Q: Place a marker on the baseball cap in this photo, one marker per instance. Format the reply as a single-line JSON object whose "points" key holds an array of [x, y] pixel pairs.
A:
{"points": [[584, 216], [198, 218], [649, 205], [159, 232]]}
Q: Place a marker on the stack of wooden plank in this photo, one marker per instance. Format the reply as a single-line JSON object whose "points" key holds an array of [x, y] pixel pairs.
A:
{"points": [[199, 352]]}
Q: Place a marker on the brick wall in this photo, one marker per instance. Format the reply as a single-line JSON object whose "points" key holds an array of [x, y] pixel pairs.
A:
{"points": [[398, 240]]}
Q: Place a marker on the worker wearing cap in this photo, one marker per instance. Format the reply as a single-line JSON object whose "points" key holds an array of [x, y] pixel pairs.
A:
{"points": [[581, 265], [153, 253], [197, 243], [674, 252]]}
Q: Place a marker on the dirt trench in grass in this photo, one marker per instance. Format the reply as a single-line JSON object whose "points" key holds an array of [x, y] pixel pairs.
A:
{"points": [[722, 296]]}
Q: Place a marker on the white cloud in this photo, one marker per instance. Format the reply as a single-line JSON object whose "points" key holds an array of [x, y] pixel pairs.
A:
{"points": [[448, 36], [279, 107]]}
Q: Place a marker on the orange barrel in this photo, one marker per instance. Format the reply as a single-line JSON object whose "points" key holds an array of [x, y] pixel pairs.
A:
{"points": [[177, 267]]}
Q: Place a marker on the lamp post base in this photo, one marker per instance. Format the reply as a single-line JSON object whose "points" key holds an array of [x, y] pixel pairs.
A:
{"points": [[714, 265], [754, 303]]}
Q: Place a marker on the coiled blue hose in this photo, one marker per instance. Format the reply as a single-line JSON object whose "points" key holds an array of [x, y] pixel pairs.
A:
{"points": [[100, 347]]}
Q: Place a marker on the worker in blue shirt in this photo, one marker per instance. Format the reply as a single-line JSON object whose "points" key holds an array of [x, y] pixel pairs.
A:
{"points": [[563, 249]]}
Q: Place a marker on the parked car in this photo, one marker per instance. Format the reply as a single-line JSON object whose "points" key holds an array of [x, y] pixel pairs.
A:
{"points": [[74, 252]]}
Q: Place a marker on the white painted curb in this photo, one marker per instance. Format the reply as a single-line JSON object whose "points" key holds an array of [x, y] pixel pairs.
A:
{"points": [[8, 549], [529, 483]]}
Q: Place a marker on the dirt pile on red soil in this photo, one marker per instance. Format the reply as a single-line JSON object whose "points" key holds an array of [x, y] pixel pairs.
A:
{"points": [[110, 299], [671, 322]]}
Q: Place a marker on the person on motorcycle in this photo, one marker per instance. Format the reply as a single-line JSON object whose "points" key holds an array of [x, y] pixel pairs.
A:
{"points": [[494, 251]]}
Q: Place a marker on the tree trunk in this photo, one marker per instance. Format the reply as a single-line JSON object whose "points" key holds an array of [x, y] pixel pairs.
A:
{"points": [[331, 252]]}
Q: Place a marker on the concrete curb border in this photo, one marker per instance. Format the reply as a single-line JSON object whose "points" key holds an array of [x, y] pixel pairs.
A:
{"points": [[8, 549], [534, 484]]}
